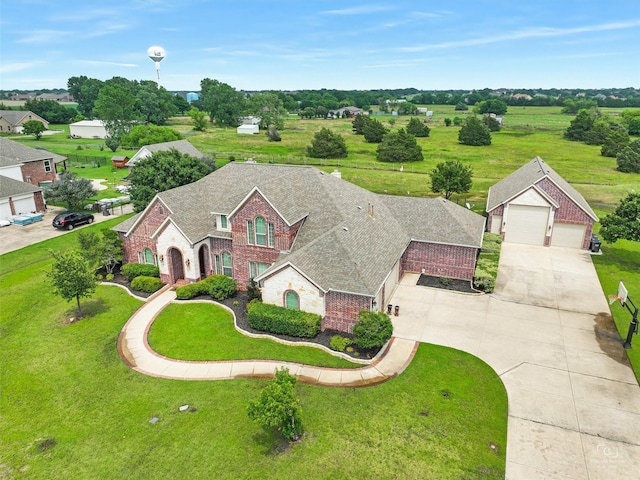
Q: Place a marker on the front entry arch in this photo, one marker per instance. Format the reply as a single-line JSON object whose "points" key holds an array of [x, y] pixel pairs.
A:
{"points": [[203, 261], [176, 265]]}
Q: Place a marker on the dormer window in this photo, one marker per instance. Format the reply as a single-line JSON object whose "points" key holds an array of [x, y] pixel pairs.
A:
{"points": [[223, 223]]}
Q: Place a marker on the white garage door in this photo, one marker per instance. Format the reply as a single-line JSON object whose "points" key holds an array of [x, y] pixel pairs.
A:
{"points": [[567, 235], [526, 224], [24, 204], [5, 209]]}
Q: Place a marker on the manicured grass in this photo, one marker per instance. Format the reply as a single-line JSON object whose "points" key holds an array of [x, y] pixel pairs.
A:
{"points": [[64, 386], [204, 331], [620, 262]]}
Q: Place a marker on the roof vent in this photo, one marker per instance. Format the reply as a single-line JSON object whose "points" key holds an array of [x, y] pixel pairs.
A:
{"points": [[359, 207], [336, 173], [345, 229]]}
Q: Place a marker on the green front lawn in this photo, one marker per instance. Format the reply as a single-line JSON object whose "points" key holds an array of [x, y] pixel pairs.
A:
{"points": [[72, 409], [204, 331]]}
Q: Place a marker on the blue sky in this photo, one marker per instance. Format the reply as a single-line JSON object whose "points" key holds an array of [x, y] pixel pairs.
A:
{"points": [[298, 44]]}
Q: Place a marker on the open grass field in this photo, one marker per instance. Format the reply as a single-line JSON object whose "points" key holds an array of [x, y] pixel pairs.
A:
{"points": [[71, 409]]}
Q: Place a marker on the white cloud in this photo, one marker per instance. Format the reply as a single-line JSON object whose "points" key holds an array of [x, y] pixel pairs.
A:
{"points": [[364, 9], [44, 36], [18, 66]]}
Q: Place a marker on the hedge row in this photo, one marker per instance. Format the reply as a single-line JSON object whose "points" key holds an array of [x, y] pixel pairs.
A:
{"points": [[274, 319], [133, 270], [218, 286], [143, 283]]}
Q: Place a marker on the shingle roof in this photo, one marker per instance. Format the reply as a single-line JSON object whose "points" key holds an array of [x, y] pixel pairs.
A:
{"points": [[340, 246], [526, 176], [14, 117], [183, 146], [14, 153], [10, 187]]}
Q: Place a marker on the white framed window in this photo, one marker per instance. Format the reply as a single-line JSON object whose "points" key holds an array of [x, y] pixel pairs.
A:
{"points": [[227, 267], [224, 223], [261, 231], [271, 234], [47, 165], [257, 268], [250, 239], [140, 257], [218, 265], [148, 256]]}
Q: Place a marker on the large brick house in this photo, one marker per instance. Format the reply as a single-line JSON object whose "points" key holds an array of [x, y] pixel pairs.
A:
{"points": [[310, 239], [534, 205], [30, 165]]}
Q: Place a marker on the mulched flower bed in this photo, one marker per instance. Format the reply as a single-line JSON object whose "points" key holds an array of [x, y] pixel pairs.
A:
{"points": [[446, 284]]}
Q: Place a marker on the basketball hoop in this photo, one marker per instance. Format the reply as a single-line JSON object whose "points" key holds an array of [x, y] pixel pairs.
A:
{"points": [[613, 298]]}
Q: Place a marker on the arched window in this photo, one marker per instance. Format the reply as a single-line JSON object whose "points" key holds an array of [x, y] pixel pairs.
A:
{"points": [[291, 300], [227, 268], [148, 256], [261, 231]]}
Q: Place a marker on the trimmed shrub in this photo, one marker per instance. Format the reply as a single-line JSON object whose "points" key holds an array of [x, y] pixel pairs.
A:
{"points": [[373, 329], [221, 286], [253, 292], [285, 321], [109, 277], [142, 283], [133, 270], [338, 343]]}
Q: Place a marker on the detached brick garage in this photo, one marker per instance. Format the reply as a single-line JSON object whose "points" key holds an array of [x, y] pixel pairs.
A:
{"points": [[536, 206], [311, 240]]}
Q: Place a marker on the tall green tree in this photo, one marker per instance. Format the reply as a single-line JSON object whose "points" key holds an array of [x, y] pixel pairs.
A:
{"points": [[373, 130], [50, 110], [417, 128], [141, 135], [71, 277], [177, 169], [85, 92], [277, 408], [451, 177], [269, 107], [224, 103], [624, 223], [199, 119], [492, 105], [579, 128], [400, 147], [474, 132], [628, 159], [358, 124], [155, 104], [180, 103], [117, 107], [327, 144], [70, 190], [33, 127]]}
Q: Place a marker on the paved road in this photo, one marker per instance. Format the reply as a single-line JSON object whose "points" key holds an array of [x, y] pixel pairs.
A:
{"points": [[574, 402]]}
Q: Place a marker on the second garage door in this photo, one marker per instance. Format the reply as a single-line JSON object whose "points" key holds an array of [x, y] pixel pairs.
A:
{"points": [[526, 224], [567, 235]]}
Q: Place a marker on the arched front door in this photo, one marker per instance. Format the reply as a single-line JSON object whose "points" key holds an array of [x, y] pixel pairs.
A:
{"points": [[177, 265], [203, 260]]}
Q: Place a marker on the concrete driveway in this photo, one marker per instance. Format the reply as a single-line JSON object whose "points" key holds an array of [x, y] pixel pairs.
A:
{"points": [[14, 237], [574, 402]]}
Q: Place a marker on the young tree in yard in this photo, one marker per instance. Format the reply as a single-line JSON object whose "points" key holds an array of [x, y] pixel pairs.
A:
{"points": [[100, 251], [451, 177], [399, 146], [628, 159], [373, 130], [327, 144], [199, 119], [624, 223], [358, 124], [70, 190], [417, 128], [474, 132], [33, 127], [177, 169], [277, 408], [71, 277], [580, 126], [372, 330]]}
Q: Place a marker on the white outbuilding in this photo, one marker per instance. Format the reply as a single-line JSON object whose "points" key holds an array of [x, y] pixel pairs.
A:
{"points": [[248, 129], [88, 129]]}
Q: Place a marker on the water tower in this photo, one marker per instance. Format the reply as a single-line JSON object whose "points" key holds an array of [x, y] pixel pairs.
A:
{"points": [[156, 54]]}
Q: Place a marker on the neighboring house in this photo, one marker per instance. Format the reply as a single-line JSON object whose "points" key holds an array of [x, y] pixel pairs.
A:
{"points": [[88, 129], [310, 239], [18, 198], [534, 205], [58, 97], [119, 161], [183, 146], [11, 121], [349, 112], [26, 164]]}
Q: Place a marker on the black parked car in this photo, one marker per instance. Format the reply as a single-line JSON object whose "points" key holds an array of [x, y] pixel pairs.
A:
{"points": [[70, 219]]}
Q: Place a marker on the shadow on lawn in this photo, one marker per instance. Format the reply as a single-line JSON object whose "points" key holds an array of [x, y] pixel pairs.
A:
{"points": [[90, 308], [272, 444]]}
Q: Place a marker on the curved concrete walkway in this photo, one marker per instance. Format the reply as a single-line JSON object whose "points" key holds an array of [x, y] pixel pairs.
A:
{"points": [[136, 352]]}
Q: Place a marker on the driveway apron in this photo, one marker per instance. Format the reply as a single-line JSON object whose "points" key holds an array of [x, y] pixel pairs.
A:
{"points": [[574, 402]]}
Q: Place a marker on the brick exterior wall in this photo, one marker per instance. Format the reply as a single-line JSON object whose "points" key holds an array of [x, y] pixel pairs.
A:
{"points": [[243, 252], [39, 199], [34, 172], [140, 238], [342, 310], [440, 260]]}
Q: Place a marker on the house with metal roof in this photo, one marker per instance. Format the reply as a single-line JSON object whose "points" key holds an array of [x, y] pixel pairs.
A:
{"points": [[183, 146], [534, 205], [311, 240], [11, 121]]}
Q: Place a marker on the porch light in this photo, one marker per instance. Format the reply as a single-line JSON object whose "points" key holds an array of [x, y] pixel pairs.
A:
{"points": [[188, 262], [161, 258]]}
